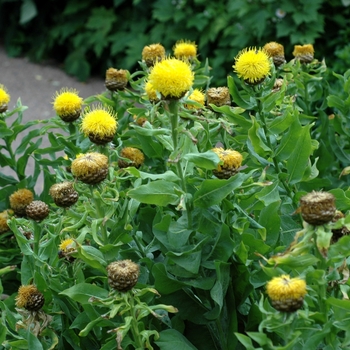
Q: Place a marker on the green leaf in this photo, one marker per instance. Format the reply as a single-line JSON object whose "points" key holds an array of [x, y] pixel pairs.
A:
{"points": [[236, 96], [269, 194], [256, 137], [213, 191], [189, 260], [33, 341], [82, 292], [28, 12], [164, 282], [168, 175], [158, 192], [171, 339], [4, 130], [207, 160], [282, 123]]}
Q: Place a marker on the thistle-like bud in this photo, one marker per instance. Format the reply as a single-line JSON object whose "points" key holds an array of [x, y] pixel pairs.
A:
{"points": [[63, 194], [286, 294], [219, 96], [317, 208], [304, 53], [231, 161], [116, 79], [276, 52], [123, 275], [30, 298], [20, 199], [135, 156], [153, 53], [37, 210], [91, 168]]}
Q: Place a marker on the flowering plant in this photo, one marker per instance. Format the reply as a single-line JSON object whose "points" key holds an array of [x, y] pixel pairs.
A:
{"points": [[177, 214]]}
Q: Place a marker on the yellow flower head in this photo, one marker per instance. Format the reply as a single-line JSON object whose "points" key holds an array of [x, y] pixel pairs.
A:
{"points": [[116, 79], [171, 77], [286, 294], [230, 159], [196, 96], [30, 298], [67, 104], [4, 98], [4, 216], [151, 92], [135, 155], [185, 49], [99, 124], [252, 65], [152, 54], [304, 53], [90, 168], [20, 199], [67, 245], [276, 52]]}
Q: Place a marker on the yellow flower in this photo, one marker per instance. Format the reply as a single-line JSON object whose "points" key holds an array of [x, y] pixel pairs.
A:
{"points": [[99, 124], [304, 53], [151, 93], [4, 216], [152, 54], [67, 245], [20, 199], [30, 298], [286, 294], [4, 98], [276, 52], [171, 77], [252, 65], [196, 96], [90, 168], [135, 155], [185, 49], [230, 162], [67, 104]]}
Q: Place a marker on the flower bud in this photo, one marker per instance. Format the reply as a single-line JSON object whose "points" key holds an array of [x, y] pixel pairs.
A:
{"points": [[231, 161], [63, 194], [219, 96], [116, 79], [304, 53], [37, 210], [135, 155], [123, 275]]}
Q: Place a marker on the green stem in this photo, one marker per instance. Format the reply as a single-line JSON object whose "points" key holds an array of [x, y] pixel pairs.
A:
{"points": [[134, 324], [174, 120], [100, 214]]}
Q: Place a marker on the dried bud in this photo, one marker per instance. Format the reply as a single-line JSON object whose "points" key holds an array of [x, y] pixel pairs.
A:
{"points": [[30, 298], [116, 79], [63, 194], [135, 155], [317, 208], [152, 54], [123, 275], [219, 96], [304, 53], [19, 200], [37, 210], [276, 52]]}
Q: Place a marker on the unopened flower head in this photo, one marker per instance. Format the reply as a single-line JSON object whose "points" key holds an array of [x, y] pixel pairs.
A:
{"points": [[151, 92], [230, 162], [90, 168], [197, 96], [153, 53], [37, 210], [252, 65], [123, 275], [4, 99], [286, 294], [219, 96], [171, 77], [99, 124], [276, 52], [20, 199], [304, 53], [184, 49], [67, 104], [30, 298], [135, 156], [63, 194], [116, 79]]}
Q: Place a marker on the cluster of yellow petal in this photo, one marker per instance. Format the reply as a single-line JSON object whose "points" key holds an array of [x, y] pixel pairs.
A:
{"points": [[185, 49], [284, 287], [89, 164], [66, 245], [231, 159], [4, 96], [67, 102], [24, 295], [134, 154], [197, 96], [4, 216], [171, 77], [274, 49], [252, 65], [99, 121], [151, 92], [153, 53], [303, 49]]}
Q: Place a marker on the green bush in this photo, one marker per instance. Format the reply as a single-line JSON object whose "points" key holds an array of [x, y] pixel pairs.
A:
{"points": [[89, 38]]}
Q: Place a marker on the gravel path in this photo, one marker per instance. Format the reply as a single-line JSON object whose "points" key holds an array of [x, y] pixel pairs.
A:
{"points": [[35, 85]]}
